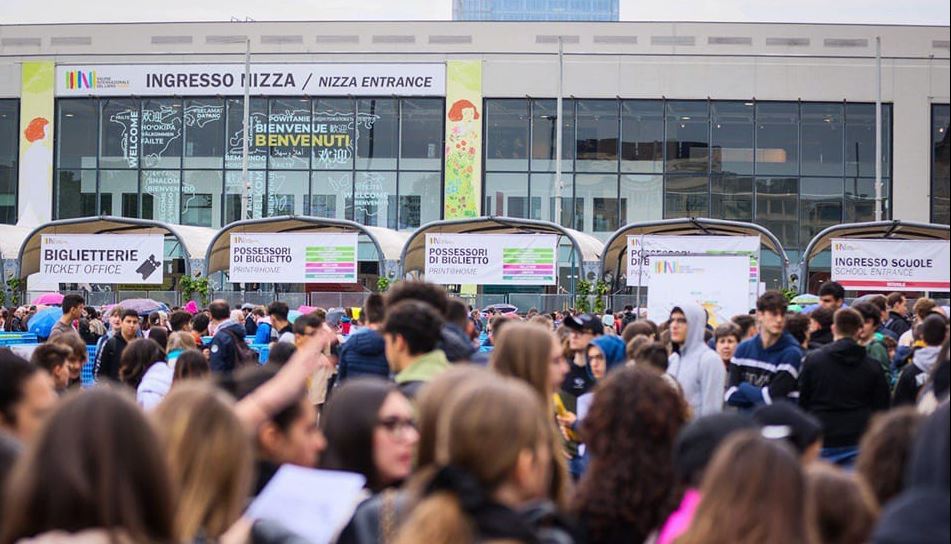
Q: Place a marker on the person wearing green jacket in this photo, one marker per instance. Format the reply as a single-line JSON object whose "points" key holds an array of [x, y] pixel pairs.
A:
{"points": [[874, 344], [411, 332]]}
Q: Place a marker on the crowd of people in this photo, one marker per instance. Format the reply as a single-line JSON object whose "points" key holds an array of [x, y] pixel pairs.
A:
{"points": [[829, 426]]}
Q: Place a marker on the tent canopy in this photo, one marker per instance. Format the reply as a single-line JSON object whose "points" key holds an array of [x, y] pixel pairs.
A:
{"points": [[193, 240], [388, 242], [587, 248], [616, 246]]}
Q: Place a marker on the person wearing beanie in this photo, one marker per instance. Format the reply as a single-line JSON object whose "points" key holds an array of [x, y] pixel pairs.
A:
{"points": [[785, 420]]}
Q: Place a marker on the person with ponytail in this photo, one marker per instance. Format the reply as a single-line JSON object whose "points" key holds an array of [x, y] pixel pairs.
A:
{"points": [[494, 456]]}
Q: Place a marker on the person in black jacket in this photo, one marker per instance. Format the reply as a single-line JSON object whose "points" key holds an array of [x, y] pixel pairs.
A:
{"points": [[842, 386], [364, 352], [820, 328], [224, 348], [897, 322], [933, 330], [112, 351]]}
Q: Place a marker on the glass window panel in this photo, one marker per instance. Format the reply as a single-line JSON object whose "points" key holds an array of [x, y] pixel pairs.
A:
{"points": [[287, 193], [642, 198], [777, 138], [642, 136], [120, 193], [331, 195], [597, 196], [860, 199], [377, 134], [77, 133], [121, 142], [597, 135], [732, 137], [333, 132], [201, 198], [731, 197], [940, 164], [75, 194], [204, 132], [777, 209], [161, 133], [161, 193], [686, 196], [543, 204], [9, 142], [687, 137], [419, 200], [234, 186], [506, 195], [820, 205], [506, 134], [544, 135], [421, 134], [375, 199], [822, 139], [289, 131], [860, 139], [234, 131]]}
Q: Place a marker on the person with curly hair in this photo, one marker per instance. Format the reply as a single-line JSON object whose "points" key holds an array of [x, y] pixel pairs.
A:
{"points": [[630, 431]]}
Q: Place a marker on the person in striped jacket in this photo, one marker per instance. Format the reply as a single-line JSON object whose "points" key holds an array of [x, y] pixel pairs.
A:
{"points": [[765, 368]]}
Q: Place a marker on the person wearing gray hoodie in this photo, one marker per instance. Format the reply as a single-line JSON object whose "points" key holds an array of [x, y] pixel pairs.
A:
{"points": [[933, 330], [696, 367]]}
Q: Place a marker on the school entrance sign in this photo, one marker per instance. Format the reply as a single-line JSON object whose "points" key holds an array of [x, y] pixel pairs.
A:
{"points": [[892, 265], [102, 258]]}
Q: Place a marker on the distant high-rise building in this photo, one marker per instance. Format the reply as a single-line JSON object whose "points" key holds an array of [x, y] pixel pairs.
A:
{"points": [[535, 10]]}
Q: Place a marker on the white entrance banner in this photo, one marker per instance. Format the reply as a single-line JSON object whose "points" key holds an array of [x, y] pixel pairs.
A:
{"points": [[640, 248], [102, 258], [716, 282], [892, 265], [408, 79], [495, 259], [293, 258]]}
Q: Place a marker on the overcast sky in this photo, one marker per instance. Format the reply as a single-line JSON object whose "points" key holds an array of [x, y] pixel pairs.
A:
{"points": [[921, 12]]}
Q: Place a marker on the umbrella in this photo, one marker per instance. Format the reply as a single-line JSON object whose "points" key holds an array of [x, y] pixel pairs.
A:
{"points": [[143, 306], [805, 299], [292, 316], [50, 299], [42, 322], [794, 308]]}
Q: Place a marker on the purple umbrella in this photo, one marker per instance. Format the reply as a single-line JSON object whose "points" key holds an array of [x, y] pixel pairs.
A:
{"points": [[143, 306], [49, 299]]}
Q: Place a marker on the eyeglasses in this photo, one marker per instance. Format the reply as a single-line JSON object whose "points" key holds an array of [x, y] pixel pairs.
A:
{"points": [[397, 426]]}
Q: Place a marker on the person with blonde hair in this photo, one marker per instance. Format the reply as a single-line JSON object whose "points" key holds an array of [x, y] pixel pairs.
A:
{"points": [[178, 342], [210, 456], [494, 454], [531, 353]]}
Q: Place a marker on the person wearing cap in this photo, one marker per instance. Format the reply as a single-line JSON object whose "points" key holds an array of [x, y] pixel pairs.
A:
{"points": [[785, 420], [582, 329], [250, 325], [603, 354], [697, 368]]}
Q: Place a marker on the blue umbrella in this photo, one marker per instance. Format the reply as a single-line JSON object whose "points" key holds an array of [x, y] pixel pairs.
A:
{"points": [[292, 316], [42, 323]]}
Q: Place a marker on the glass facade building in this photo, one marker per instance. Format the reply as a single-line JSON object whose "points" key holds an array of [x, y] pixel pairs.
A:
{"points": [[793, 167], [535, 10], [9, 121], [940, 164], [377, 161]]}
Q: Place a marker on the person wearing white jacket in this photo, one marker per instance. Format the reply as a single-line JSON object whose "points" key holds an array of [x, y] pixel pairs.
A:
{"points": [[695, 366]]}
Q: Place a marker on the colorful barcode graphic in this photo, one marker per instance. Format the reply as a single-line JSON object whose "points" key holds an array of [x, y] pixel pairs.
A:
{"points": [[330, 262], [532, 264]]}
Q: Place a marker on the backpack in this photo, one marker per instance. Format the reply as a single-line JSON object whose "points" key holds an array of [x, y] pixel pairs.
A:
{"points": [[243, 354]]}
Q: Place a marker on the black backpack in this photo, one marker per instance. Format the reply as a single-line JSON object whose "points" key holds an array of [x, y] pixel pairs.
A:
{"points": [[243, 354]]}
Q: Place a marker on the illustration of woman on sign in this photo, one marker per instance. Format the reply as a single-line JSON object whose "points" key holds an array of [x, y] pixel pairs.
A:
{"points": [[37, 169], [461, 148]]}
